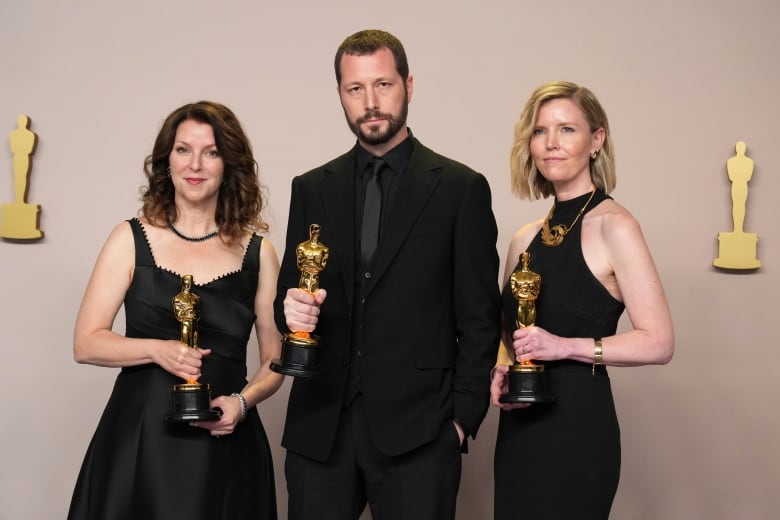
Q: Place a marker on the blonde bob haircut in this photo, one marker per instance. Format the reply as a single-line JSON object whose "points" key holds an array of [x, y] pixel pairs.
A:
{"points": [[527, 181]]}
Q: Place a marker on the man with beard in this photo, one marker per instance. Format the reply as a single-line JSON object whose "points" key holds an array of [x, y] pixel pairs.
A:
{"points": [[407, 310]]}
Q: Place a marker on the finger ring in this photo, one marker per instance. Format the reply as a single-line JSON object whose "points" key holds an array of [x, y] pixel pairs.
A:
{"points": [[218, 436]]}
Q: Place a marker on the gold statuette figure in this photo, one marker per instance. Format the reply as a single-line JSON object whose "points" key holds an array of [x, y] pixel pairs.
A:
{"points": [[19, 219], [737, 249], [191, 400], [300, 349], [312, 257], [526, 379], [186, 307]]}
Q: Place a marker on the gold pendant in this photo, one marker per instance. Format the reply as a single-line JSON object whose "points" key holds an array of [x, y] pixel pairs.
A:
{"points": [[553, 237]]}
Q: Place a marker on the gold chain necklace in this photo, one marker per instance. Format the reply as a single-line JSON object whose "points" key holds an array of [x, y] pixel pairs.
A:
{"points": [[554, 237]]}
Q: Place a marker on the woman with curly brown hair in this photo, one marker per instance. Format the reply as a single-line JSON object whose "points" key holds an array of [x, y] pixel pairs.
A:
{"points": [[200, 217]]}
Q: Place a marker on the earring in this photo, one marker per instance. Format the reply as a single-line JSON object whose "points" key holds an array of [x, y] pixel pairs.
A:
{"points": [[594, 153], [168, 169]]}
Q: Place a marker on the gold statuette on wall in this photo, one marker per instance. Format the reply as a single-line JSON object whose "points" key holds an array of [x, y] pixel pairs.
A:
{"points": [[19, 220], [737, 249], [526, 379]]}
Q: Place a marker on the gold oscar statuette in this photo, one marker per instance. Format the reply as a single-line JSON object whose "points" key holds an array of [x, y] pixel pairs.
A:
{"points": [[300, 349], [18, 219], [736, 248], [191, 399], [526, 379]]}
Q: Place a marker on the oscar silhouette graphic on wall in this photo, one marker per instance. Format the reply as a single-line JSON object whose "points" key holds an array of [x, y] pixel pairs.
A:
{"points": [[19, 220], [737, 249]]}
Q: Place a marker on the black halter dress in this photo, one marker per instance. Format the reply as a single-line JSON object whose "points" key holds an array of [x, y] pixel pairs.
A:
{"points": [[562, 461]]}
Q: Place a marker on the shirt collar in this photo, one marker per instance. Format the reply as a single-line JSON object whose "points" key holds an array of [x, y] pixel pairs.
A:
{"points": [[397, 158]]}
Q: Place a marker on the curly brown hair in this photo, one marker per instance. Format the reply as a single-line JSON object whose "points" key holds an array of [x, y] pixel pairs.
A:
{"points": [[241, 196]]}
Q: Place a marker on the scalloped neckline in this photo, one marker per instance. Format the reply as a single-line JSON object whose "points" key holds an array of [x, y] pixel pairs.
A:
{"points": [[174, 273]]}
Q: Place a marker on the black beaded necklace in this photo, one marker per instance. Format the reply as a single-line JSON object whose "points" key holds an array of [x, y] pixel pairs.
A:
{"points": [[189, 238]]}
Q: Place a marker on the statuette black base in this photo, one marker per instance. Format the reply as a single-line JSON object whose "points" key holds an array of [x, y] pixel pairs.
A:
{"points": [[526, 386], [300, 357], [191, 403]]}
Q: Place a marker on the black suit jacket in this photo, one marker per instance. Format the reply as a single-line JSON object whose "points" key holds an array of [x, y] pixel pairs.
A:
{"points": [[430, 309]]}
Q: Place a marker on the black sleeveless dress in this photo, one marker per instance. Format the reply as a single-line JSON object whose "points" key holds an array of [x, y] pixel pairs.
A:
{"points": [[561, 461], [140, 467]]}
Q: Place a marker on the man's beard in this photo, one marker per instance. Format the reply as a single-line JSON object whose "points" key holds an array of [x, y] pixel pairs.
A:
{"points": [[375, 135]]}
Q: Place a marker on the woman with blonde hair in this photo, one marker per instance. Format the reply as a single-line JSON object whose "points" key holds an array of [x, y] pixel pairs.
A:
{"points": [[561, 460]]}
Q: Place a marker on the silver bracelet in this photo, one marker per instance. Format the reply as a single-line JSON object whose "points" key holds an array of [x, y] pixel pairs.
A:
{"points": [[242, 401]]}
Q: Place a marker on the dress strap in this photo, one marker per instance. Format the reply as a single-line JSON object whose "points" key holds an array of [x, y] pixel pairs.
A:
{"points": [[598, 197], [143, 254], [252, 257]]}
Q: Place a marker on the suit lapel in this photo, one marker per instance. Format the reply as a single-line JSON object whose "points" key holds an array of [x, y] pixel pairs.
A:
{"points": [[338, 198], [417, 185]]}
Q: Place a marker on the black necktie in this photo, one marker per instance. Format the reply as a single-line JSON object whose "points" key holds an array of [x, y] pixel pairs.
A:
{"points": [[372, 208]]}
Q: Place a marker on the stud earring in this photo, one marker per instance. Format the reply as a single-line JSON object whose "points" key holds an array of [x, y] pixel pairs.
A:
{"points": [[594, 154]]}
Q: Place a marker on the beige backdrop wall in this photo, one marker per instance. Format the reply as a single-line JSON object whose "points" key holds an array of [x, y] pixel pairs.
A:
{"points": [[682, 81]]}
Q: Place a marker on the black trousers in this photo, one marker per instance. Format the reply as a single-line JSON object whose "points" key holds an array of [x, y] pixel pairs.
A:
{"points": [[421, 484]]}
